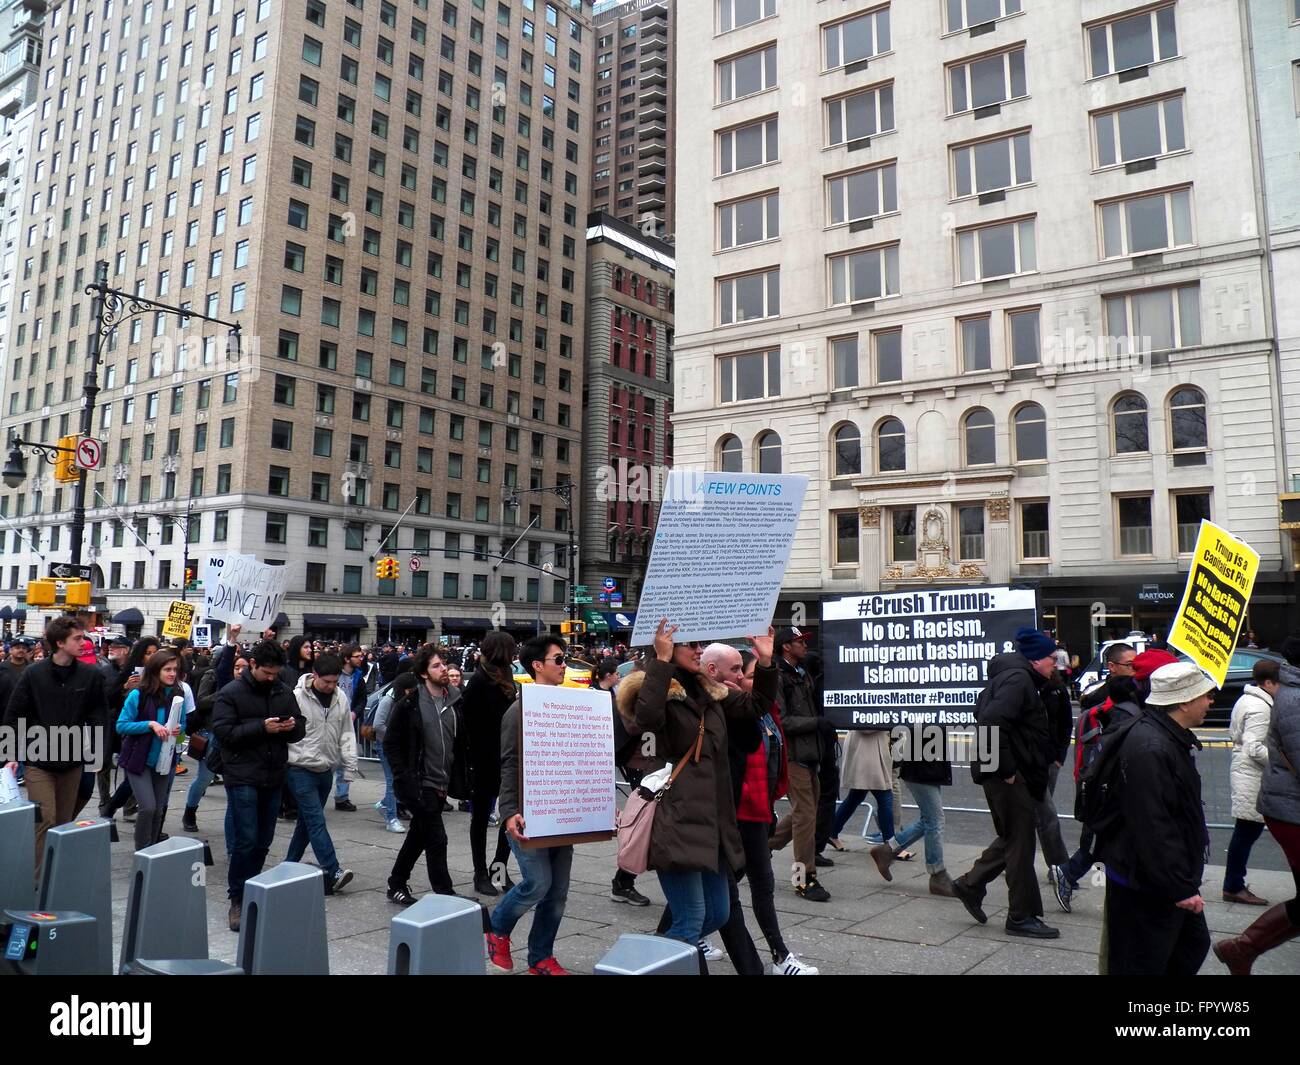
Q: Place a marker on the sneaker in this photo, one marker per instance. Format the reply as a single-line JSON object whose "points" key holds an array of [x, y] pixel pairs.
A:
{"points": [[493, 820], [346, 805], [971, 901], [813, 892], [236, 906], [874, 837], [710, 952], [1032, 928], [380, 806], [794, 966], [341, 879], [396, 826], [1061, 887], [630, 895], [548, 967], [401, 895], [822, 862], [499, 952]]}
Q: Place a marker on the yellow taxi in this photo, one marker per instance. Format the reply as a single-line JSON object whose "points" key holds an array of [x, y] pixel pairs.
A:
{"points": [[577, 674]]}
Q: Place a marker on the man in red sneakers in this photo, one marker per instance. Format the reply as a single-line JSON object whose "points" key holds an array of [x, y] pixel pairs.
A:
{"points": [[544, 871]]}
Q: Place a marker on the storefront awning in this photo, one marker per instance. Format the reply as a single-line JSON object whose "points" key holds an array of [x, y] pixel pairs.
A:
{"points": [[402, 621], [334, 621], [129, 616], [466, 623]]}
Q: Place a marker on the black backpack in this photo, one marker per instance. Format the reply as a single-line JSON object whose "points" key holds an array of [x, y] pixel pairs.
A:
{"points": [[1097, 804]]}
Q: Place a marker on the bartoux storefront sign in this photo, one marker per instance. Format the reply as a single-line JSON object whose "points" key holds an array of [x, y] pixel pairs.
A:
{"points": [[916, 657]]}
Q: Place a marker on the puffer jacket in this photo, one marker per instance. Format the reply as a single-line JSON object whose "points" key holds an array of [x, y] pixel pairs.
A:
{"points": [[1249, 733], [249, 754], [696, 819], [1279, 790], [329, 740]]}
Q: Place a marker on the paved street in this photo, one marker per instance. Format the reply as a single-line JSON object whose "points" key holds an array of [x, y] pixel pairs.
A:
{"points": [[867, 927]]}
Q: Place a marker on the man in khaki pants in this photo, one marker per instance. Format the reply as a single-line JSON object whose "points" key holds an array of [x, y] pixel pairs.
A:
{"points": [[805, 729], [57, 702]]}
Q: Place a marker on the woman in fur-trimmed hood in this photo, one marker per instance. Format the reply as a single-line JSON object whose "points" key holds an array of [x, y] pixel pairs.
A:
{"points": [[695, 825]]}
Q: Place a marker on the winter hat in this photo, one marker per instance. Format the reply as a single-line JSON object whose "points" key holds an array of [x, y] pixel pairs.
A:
{"points": [[1178, 683], [1149, 661], [1034, 645]]}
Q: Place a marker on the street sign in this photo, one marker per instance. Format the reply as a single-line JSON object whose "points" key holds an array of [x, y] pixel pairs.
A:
{"points": [[180, 618], [579, 588], [66, 571], [90, 453], [415, 563], [615, 601], [610, 584], [582, 599]]}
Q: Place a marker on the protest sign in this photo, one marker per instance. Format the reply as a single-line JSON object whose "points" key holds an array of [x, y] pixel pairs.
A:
{"points": [[246, 592], [168, 749], [202, 635], [720, 551], [568, 765], [180, 618], [1213, 608], [916, 657]]}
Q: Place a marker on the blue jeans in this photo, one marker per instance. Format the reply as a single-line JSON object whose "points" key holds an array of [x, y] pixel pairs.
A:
{"points": [[1081, 860], [199, 786], [341, 785], [700, 902], [311, 790], [1244, 836], [250, 829], [389, 801], [884, 811], [544, 884], [929, 823]]}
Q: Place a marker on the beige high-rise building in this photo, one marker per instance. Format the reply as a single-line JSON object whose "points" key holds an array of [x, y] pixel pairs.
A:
{"points": [[391, 200]]}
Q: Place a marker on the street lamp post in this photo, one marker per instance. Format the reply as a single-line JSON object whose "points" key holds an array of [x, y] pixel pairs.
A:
{"points": [[565, 494]]}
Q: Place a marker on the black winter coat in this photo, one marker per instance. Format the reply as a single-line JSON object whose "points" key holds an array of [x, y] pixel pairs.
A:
{"points": [[1060, 719], [1011, 701], [1160, 846], [250, 754], [45, 697], [404, 748], [484, 705], [800, 716]]}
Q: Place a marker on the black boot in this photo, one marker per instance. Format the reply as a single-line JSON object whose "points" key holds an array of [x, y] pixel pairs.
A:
{"points": [[188, 823]]}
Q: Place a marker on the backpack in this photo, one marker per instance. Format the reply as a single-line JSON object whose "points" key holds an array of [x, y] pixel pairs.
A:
{"points": [[1097, 802]]}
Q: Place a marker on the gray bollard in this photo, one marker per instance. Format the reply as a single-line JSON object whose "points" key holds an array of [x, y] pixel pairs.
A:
{"points": [[17, 855], [77, 876], [635, 955], [282, 927], [49, 942], [166, 906], [441, 935], [181, 967]]}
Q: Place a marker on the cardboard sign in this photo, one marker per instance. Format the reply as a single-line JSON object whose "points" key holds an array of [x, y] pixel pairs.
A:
{"points": [[916, 657], [202, 636], [720, 553], [1213, 608], [568, 765], [245, 592], [180, 619]]}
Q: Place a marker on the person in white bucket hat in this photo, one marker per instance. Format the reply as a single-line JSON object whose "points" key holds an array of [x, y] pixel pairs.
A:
{"points": [[1155, 859]]}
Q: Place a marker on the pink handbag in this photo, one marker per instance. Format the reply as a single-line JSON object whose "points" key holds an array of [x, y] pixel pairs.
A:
{"points": [[636, 819]]}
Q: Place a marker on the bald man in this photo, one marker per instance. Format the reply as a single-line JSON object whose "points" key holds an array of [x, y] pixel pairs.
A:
{"points": [[722, 665]]}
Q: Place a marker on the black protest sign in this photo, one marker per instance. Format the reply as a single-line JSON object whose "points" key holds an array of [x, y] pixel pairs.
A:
{"points": [[916, 657]]}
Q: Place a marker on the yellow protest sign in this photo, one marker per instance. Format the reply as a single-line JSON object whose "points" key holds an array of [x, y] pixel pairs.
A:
{"points": [[1213, 609], [180, 617]]}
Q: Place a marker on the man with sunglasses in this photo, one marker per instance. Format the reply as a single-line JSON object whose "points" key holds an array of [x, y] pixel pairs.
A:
{"points": [[544, 871]]}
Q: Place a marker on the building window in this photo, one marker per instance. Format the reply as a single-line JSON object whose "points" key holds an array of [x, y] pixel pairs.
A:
{"points": [[857, 38], [962, 14], [1131, 435], [745, 75], [985, 81], [891, 446], [769, 453], [1134, 524], [976, 351], [730, 455], [1030, 424], [979, 438], [1033, 530], [863, 194], [887, 347], [1158, 320], [733, 14], [1188, 431], [749, 297], [902, 544], [351, 580], [1000, 250], [847, 449], [1135, 41], [846, 545], [1023, 334], [749, 221], [748, 146], [987, 166], [756, 375], [1146, 223], [1190, 509], [970, 533], [277, 528], [860, 114], [864, 275], [844, 363], [1139, 131]]}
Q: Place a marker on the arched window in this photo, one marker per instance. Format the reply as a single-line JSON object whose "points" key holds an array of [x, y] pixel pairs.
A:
{"points": [[636, 287], [769, 453], [1031, 433], [618, 277], [1130, 417], [979, 438], [1187, 430], [731, 455], [891, 446], [847, 451], [649, 292]]}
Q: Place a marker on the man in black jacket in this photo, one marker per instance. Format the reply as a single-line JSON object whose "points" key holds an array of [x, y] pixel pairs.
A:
{"points": [[255, 718], [20, 657], [58, 707], [1155, 856], [1014, 782]]}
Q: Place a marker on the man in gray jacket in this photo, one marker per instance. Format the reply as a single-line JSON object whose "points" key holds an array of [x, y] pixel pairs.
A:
{"points": [[328, 744]]}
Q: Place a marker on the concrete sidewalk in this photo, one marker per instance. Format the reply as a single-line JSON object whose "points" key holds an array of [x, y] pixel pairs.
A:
{"points": [[868, 926]]}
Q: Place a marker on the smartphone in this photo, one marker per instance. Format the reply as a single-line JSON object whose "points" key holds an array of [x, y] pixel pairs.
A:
{"points": [[139, 671], [282, 719]]}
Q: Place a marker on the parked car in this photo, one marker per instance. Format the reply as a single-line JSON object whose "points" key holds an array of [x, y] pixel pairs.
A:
{"points": [[577, 674], [1096, 670]]}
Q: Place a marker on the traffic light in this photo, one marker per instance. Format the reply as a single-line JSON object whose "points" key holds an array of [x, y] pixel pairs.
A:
{"points": [[191, 578], [65, 462], [381, 569], [387, 569], [573, 628], [76, 593], [394, 569], [40, 593]]}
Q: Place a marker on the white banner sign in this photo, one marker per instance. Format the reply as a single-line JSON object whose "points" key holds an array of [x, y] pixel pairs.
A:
{"points": [[568, 761], [720, 552], [246, 592]]}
